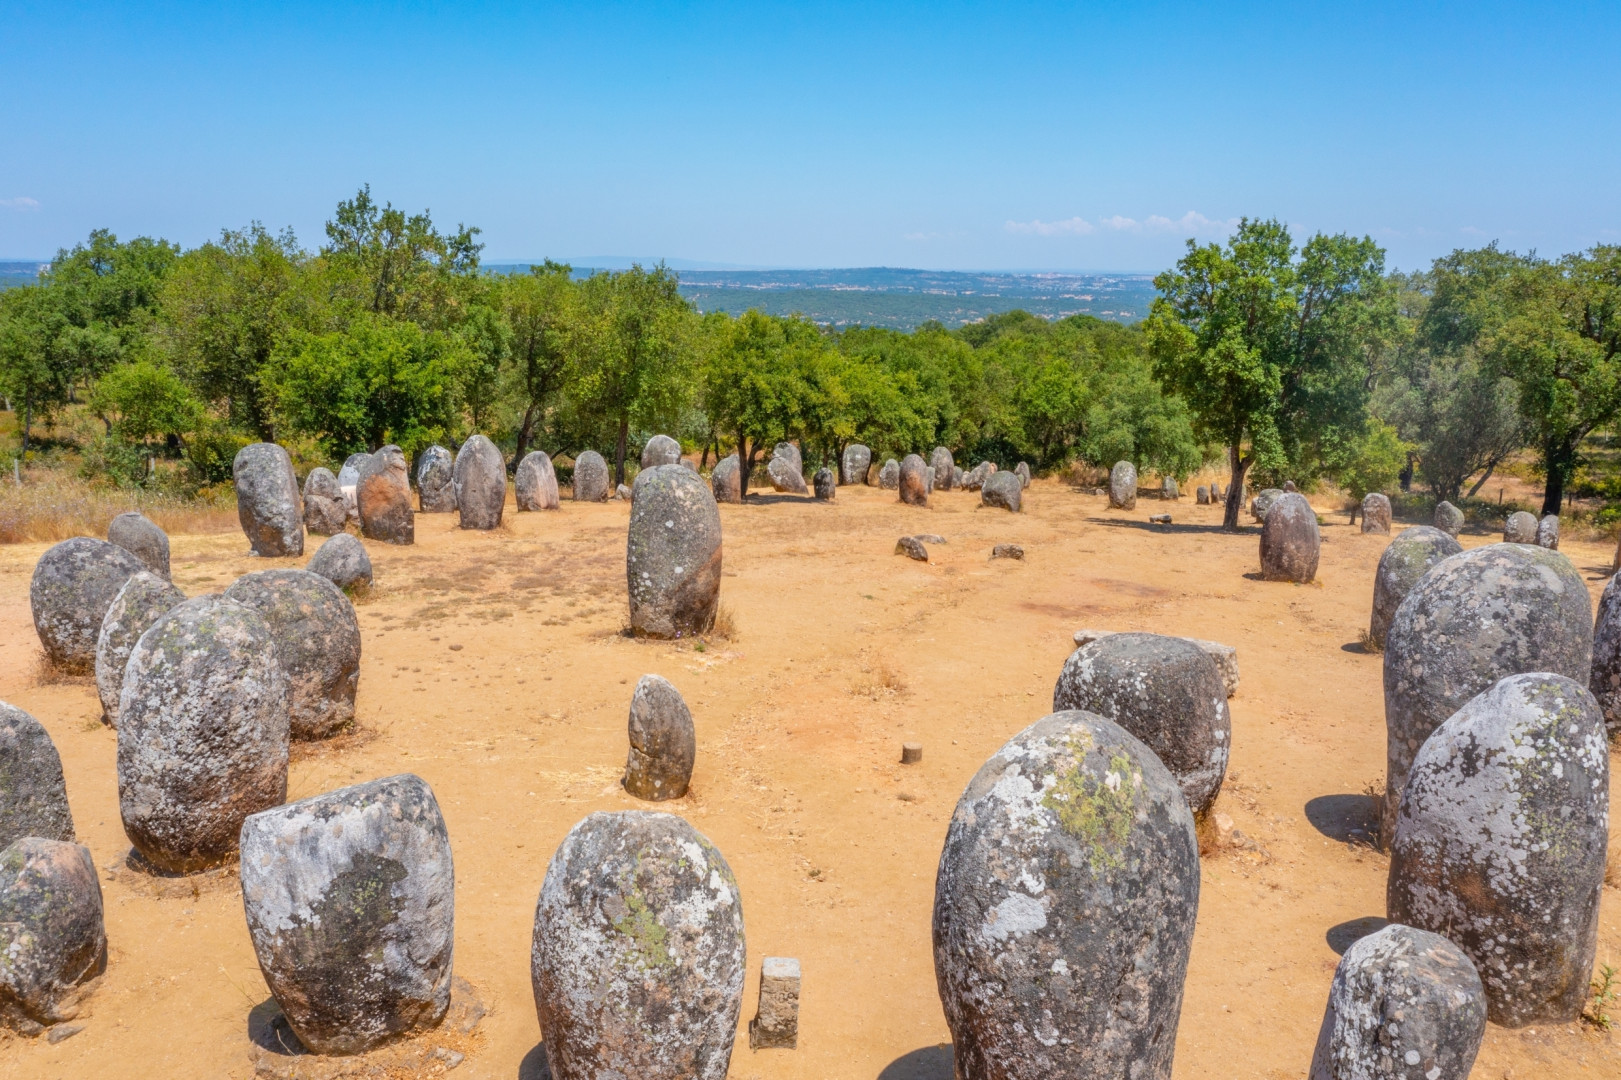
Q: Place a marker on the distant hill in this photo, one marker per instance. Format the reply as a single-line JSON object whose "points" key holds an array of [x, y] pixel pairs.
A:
{"points": [[20, 272]]}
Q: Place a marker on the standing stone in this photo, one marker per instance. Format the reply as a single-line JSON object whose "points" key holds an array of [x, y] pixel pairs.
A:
{"points": [[480, 479], [788, 453], [1448, 518], [824, 485], [624, 493], [928, 479], [1475, 618], [1201, 495], [1264, 502], [383, 497], [1002, 490], [1168, 488], [1405, 1003], [326, 511], [33, 795], [1290, 543], [536, 483], [317, 640], [1064, 907], [958, 476], [52, 935], [140, 536], [776, 1021], [343, 561], [1500, 843], [1123, 486], [1376, 513], [1605, 682], [267, 500], [661, 450], [854, 463], [672, 554], [914, 481], [590, 478], [144, 599], [1165, 691], [726, 481], [637, 957], [1548, 532], [663, 743], [784, 470], [350, 900], [889, 477], [1521, 528], [1022, 471], [202, 733], [944, 468], [436, 480], [1408, 558], [975, 478], [349, 482], [74, 584]]}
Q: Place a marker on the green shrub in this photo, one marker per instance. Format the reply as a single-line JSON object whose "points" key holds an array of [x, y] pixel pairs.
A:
{"points": [[211, 451]]}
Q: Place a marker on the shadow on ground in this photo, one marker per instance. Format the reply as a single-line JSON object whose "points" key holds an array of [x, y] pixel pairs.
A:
{"points": [[1346, 818], [1346, 934], [929, 1063], [534, 1066], [1144, 526]]}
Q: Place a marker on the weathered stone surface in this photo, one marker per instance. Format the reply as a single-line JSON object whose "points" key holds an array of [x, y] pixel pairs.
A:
{"points": [[1002, 490], [776, 1020], [1225, 657], [383, 498], [1376, 513], [784, 468], [1408, 558], [824, 485], [33, 795], [1022, 471], [480, 479], [930, 538], [623, 492], [661, 450], [1405, 1004], [1263, 502], [1201, 495], [144, 599], [140, 536], [1165, 691], [343, 561], [74, 584], [536, 483], [1123, 486], [975, 478], [1605, 682], [928, 479], [1521, 528], [726, 481], [673, 554], [1168, 488], [1473, 619], [267, 500], [1448, 518], [637, 958], [1064, 907], [350, 901], [317, 640], [326, 510], [1548, 532], [52, 936], [889, 477], [202, 733], [436, 480], [1007, 551], [1290, 543], [944, 468], [590, 478], [854, 463], [912, 548], [1500, 842], [913, 481], [663, 743], [958, 476], [349, 482]]}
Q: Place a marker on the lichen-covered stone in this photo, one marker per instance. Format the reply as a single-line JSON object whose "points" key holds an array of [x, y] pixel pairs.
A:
{"points": [[202, 733], [1448, 518], [776, 1021], [1168, 488], [74, 584], [1548, 532], [854, 463], [1262, 503], [343, 561], [672, 554], [480, 479], [1408, 558], [726, 481], [317, 643], [383, 498], [824, 486], [1123, 486], [912, 548], [786, 469], [1605, 682], [52, 935], [1474, 618], [590, 478], [1500, 842], [436, 480], [140, 536], [1520, 528], [913, 481], [144, 599], [350, 901], [944, 467], [1002, 490], [267, 500], [1022, 471], [535, 482], [1064, 907], [1165, 691], [1376, 513], [638, 953], [326, 511], [663, 743], [975, 477], [1290, 542], [1225, 657], [1007, 551], [889, 476], [623, 492], [661, 450], [1405, 1004], [33, 795]]}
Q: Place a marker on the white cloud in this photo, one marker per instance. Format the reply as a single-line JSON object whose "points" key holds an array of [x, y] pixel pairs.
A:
{"points": [[1075, 226], [1190, 223], [21, 202]]}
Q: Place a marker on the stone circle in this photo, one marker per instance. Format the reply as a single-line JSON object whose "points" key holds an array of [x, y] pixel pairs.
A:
{"points": [[317, 640], [663, 742]]}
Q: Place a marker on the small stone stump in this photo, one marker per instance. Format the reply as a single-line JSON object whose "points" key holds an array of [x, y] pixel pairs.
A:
{"points": [[1404, 1003], [436, 480], [74, 584], [1548, 532], [351, 907], [912, 548], [911, 753], [536, 483], [343, 561], [726, 481], [33, 795], [52, 935], [1123, 486], [1376, 513], [1500, 843], [383, 498], [590, 478], [1290, 542], [824, 485], [944, 468], [317, 640], [326, 511], [776, 1021], [480, 479], [672, 554], [1007, 551], [1003, 491], [267, 500], [1448, 518], [144, 599], [1605, 682], [661, 450], [889, 476], [1408, 558], [913, 483], [1521, 528], [663, 742], [140, 536], [854, 463]]}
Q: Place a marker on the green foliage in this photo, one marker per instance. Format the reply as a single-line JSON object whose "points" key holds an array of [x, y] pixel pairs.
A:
{"points": [[211, 450], [398, 266], [109, 460], [1375, 461], [141, 401]]}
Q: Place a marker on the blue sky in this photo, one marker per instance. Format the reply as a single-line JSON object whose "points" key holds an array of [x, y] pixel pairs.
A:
{"points": [[984, 136]]}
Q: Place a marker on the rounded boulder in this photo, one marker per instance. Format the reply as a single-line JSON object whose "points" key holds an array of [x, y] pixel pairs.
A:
{"points": [[74, 584], [141, 537], [267, 500], [1290, 542], [33, 794], [383, 498], [144, 599], [1520, 528], [672, 554], [913, 481], [480, 479], [1003, 491], [317, 640], [786, 470], [1448, 518], [52, 934], [436, 480], [1022, 471], [944, 468], [326, 511], [661, 450], [1376, 513], [1123, 486], [726, 482], [854, 463], [1605, 682], [824, 485], [1548, 532], [536, 482], [343, 561], [591, 478], [663, 743], [1407, 559]]}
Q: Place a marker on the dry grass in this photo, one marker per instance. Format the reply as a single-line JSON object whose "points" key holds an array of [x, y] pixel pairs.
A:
{"points": [[53, 506], [725, 628]]}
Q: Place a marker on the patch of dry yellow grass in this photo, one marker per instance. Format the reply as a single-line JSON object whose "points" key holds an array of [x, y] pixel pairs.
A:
{"points": [[52, 506]]}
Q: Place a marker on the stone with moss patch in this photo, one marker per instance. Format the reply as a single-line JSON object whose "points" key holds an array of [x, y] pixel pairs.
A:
{"points": [[74, 584], [1605, 682], [33, 795], [52, 937], [317, 644], [1407, 559]]}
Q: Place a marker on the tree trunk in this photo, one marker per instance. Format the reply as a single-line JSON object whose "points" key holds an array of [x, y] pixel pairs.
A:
{"points": [[526, 431], [742, 465], [1235, 489], [28, 417], [619, 451], [1554, 494], [1485, 476], [1558, 461]]}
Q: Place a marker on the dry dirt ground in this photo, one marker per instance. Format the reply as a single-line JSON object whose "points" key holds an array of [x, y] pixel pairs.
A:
{"points": [[496, 669]]}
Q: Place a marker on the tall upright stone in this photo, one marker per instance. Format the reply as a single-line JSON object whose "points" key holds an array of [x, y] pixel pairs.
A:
{"points": [[726, 481], [536, 482], [480, 479], [1521, 528], [52, 936], [436, 480], [1064, 907], [1123, 486], [663, 742], [33, 794], [824, 486], [140, 536], [1407, 558], [1022, 471], [1448, 518], [913, 482], [661, 450], [854, 463], [889, 476], [591, 478], [1290, 542], [383, 498], [1605, 682], [349, 483], [267, 500], [326, 511], [317, 640], [672, 554], [944, 467], [1376, 513], [1548, 532], [1168, 488], [74, 584], [144, 599]]}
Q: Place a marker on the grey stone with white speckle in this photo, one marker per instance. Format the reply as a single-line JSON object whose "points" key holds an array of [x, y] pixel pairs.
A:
{"points": [[784, 468], [383, 498], [889, 476], [673, 554], [912, 548], [726, 481], [1407, 559], [1290, 542], [624, 493], [1007, 551], [326, 510], [944, 468], [343, 561], [824, 486], [140, 536], [480, 479], [1605, 682], [317, 644], [268, 503], [854, 463], [144, 599], [74, 584], [436, 480], [590, 478], [1168, 488], [1448, 518], [1376, 513], [1520, 528], [1263, 502], [52, 935], [33, 794], [1003, 491], [1225, 657], [663, 743], [913, 481], [1548, 532], [661, 450], [1123, 486], [535, 483], [1022, 471]]}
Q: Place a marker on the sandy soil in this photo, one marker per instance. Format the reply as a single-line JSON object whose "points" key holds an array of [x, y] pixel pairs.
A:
{"points": [[495, 668]]}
